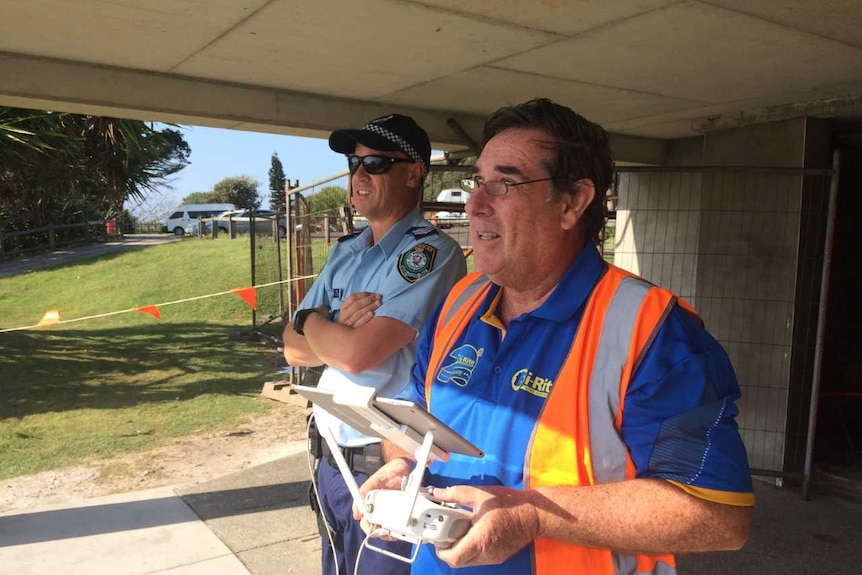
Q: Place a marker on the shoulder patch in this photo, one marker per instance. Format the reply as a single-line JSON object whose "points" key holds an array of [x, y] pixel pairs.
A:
{"points": [[420, 232], [417, 262], [349, 236]]}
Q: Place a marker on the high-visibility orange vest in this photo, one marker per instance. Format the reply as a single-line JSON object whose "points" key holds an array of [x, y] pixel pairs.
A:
{"points": [[577, 438]]}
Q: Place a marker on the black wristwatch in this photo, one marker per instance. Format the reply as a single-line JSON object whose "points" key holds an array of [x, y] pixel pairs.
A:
{"points": [[301, 316]]}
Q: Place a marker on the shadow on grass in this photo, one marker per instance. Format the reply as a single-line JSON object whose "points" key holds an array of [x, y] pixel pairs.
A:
{"points": [[120, 367]]}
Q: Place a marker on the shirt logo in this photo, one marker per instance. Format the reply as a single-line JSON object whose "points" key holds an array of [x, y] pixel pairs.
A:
{"points": [[460, 369], [526, 380], [417, 262], [337, 293]]}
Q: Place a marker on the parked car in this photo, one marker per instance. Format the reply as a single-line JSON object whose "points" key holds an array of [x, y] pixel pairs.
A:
{"points": [[242, 222], [359, 223], [453, 195], [222, 221], [445, 220], [317, 228]]}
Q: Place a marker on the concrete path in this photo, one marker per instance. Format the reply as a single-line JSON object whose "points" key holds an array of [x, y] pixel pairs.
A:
{"points": [[255, 521], [27, 264], [790, 536], [258, 522]]}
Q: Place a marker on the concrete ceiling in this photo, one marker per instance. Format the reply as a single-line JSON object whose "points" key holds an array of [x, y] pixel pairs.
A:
{"points": [[648, 70]]}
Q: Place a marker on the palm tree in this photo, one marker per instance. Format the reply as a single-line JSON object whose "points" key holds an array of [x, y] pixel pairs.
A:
{"points": [[58, 166], [34, 153]]}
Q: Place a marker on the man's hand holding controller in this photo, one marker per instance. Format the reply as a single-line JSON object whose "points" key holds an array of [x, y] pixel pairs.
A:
{"points": [[432, 520]]}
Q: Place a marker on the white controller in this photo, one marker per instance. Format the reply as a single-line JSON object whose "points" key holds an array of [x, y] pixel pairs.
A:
{"points": [[431, 521]]}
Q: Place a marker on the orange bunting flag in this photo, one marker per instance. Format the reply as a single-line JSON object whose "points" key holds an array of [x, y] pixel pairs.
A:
{"points": [[51, 317], [153, 310], [249, 295]]}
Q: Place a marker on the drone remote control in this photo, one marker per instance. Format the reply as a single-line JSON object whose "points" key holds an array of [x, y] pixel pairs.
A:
{"points": [[410, 514], [431, 520]]}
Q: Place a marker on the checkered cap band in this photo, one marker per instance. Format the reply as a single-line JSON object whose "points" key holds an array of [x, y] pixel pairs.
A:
{"points": [[401, 142]]}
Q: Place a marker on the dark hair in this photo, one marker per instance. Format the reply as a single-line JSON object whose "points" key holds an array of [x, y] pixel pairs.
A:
{"points": [[582, 151]]}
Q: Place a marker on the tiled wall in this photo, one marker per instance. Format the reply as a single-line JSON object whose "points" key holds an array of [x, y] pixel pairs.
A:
{"points": [[657, 229], [727, 243]]}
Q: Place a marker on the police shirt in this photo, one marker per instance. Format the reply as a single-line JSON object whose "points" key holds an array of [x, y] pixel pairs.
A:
{"points": [[412, 268]]}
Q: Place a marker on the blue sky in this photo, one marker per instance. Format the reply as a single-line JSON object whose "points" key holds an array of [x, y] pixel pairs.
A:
{"points": [[218, 153]]}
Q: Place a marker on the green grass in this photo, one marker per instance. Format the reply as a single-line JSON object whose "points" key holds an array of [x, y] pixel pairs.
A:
{"points": [[92, 389]]}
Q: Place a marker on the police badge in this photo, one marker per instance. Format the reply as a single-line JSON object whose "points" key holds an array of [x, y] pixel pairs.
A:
{"points": [[416, 262]]}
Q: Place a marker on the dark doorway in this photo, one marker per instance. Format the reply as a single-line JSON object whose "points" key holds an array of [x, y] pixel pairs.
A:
{"points": [[838, 446]]}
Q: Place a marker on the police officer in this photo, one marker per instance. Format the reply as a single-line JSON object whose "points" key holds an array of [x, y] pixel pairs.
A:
{"points": [[362, 315]]}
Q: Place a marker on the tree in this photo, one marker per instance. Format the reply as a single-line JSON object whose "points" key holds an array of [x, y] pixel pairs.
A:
{"points": [[127, 222], [329, 198], [276, 185], [200, 198], [129, 158], [58, 167], [240, 191], [33, 150], [153, 209]]}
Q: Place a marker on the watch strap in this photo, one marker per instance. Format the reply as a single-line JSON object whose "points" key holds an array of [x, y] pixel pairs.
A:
{"points": [[301, 316]]}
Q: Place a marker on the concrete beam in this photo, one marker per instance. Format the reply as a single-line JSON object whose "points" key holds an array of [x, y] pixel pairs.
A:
{"points": [[46, 84], [89, 89], [848, 106], [637, 150]]}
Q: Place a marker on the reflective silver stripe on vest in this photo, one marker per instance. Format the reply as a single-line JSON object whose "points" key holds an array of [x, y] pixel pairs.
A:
{"points": [[463, 297], [661, 568], [627, 565], [608, 450]]}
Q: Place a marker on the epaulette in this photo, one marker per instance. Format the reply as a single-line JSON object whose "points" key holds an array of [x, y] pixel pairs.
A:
{"points": [[420, 232], [349, 236]]}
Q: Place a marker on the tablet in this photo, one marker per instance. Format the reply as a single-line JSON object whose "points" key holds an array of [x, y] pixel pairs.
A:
{"points": [[369, 414]]}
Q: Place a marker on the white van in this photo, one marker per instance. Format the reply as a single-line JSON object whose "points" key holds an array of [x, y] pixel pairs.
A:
{"points": [[449, 219], [454, 195], [185, 218]]}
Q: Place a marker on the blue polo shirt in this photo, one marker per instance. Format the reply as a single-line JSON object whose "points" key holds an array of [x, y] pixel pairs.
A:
{"points": [[678, 421], [412, 267]]}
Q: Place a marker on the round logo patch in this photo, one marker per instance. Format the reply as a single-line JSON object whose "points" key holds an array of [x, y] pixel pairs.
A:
{"points": [[417, 262]]}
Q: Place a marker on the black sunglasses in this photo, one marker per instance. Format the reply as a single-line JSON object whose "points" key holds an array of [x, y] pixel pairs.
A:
{"points": [[374, 164]]}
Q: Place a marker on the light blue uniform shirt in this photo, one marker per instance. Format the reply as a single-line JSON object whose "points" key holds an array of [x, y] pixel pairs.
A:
{"points": [[412, 268]]}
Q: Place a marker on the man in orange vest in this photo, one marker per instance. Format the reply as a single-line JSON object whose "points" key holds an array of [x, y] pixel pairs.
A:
{"points": [[605, 410]]}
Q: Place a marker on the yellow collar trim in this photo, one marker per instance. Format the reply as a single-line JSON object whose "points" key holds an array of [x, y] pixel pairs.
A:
{"points": [[490, 316]]}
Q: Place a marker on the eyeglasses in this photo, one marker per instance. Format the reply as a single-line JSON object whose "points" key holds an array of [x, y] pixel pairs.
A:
{"points": [[374, 163], [498, 187]]}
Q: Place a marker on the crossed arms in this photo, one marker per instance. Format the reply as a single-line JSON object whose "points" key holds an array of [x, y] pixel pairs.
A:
{"points": [[357, 342]]}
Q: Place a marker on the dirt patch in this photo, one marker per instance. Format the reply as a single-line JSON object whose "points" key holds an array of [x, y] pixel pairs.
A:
{"points": [[186, 461]]}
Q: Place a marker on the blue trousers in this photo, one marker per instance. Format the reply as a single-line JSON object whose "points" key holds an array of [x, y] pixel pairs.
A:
{"points": [[337, 506]]}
